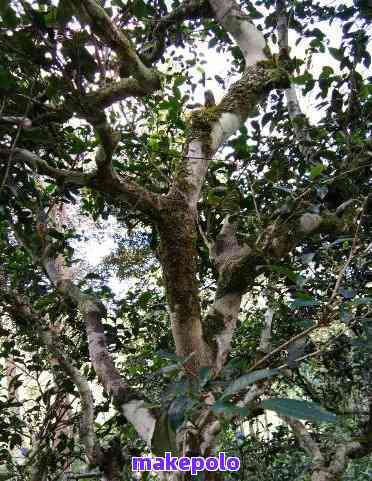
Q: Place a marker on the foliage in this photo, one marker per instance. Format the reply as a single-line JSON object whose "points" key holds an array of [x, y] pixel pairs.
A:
{"points": [[275, 178]]}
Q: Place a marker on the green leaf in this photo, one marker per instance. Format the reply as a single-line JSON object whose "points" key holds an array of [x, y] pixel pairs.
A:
{"points": [[8, 14], [337, 53], [316, 170], [204, 376], [327, 71], [64, 12], [304, 303], [56, 234], [253, 12], [244, 381], [299, 409], [92, 275], [177, 411], [141, 9]]}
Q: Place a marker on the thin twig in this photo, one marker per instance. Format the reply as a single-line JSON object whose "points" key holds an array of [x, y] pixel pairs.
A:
{"points": [[14, 145], [254, 198], [284, 345], [353, 250]]}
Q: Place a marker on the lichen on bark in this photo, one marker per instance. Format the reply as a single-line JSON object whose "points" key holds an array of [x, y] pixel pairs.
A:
{"points": [[213, 325], [256, 81]]}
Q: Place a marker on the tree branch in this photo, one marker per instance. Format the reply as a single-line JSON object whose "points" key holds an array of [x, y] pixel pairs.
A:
{"points": [[239, 265], [265, 342], [321, 470], [305, 439], [135, 195], [300, 123], [118, 91], [221, 319], [96, 99], [21, 306], [92, 311], [208, 129], [249, 39], [115, 38], [188, 10], [23, 122]]}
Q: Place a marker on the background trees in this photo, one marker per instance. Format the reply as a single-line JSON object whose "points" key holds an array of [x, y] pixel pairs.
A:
{"points": [[242, 228]]}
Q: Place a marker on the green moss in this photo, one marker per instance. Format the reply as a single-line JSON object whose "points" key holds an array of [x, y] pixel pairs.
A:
{"points": [[241, 100], [201, 123], [269, 63], [331, 223], [179, 257], [181, 174], [254, 84]]}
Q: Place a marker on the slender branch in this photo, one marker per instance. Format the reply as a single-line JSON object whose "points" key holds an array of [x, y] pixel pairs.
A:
{"points": [[265, 342], [22, 123], [285, 344], [135, 195], [351, 255], [300, 123], [187, 10], [21, 306], [115, 38], [305, 438], [250, 40], [76, 104], [254, 198], [93, 311], [118, 91]]}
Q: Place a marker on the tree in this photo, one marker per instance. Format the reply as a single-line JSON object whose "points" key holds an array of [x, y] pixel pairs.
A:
{"points": [[243, 198]]}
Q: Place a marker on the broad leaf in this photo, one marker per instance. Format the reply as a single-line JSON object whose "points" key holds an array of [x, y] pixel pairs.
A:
{"points": [[248, 379], [177, 411], [299, 409]]}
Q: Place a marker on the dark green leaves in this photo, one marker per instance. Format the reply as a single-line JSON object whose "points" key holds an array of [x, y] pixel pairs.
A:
{"points": [[316, 170], [7, 14], [248, 379], [142, 9], [64, 12], [299, 409], [304, 302], [177, 411], [253, 12], [6, 80], [204, 376], [337, 53]]}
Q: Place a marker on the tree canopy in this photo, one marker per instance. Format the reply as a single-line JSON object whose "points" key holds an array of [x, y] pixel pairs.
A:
{"points": [[225, 149]]}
